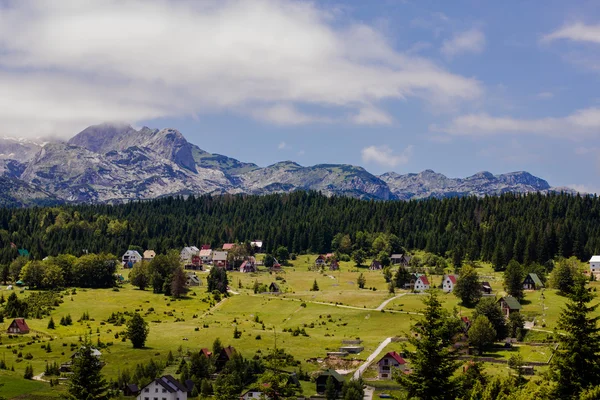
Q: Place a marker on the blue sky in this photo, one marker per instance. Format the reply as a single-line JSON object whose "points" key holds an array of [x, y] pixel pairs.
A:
{"points": [[457, 87]]}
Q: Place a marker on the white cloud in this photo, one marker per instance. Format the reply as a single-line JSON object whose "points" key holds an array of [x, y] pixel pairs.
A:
{"points": [[545, 95], [282, 146], [577, 31], [588, 189], [385, 157], [578, 125], [371, 116], [66, 64], [471, 41]]}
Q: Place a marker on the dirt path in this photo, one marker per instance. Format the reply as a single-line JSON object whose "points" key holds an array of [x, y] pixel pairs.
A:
{"points": [[369, 391], [371, 358], [385, 303]]}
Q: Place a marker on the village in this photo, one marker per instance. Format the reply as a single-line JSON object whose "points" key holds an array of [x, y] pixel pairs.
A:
{"points": [[364, 335]]}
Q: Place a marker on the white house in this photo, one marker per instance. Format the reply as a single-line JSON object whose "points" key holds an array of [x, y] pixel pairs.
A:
{"points": [[131, 257], [257, 243], [164, 388], [595, 265], [206, 256], [254, 394], [448, 283], [422, 284], [187, 253], [149, 255], [389, 363]]}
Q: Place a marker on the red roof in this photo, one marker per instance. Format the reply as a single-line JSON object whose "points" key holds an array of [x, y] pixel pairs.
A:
{"points": [[424, 279], [205, 247], [452, 278], [21, 324], [206, 352], [228, 246], [395, 356]]}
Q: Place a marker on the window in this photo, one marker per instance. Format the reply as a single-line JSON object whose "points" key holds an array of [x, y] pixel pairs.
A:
{"points": [[147, 390], [146, 398], [156, 391], [164, 390]]}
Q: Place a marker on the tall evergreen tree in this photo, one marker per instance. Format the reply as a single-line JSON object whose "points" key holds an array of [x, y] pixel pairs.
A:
{"points": [[576, 363], [87, 381], [468, 287], [434, 359], [137, 331], [513, 279]]}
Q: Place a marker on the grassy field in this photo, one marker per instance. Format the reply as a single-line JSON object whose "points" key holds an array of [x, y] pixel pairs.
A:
{"points": [[190, 323]]}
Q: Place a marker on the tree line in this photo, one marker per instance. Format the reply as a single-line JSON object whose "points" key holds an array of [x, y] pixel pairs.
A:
{"points": [[527, 228]]}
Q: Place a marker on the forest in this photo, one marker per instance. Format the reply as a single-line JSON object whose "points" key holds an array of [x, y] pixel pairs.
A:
{"points": [[528, 228]]}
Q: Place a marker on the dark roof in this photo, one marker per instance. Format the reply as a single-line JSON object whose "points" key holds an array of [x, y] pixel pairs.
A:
{"points": [[511, 302], [332, 373], [228, 352], [536, 279], [321, 257], [375, 263], [133, 388], [205, 247], [171, 384], [395, 356], [274, 287], [189, 384]]}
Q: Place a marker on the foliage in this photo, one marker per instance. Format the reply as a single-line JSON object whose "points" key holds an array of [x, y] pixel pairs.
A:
{"points": [[564, 274], [137, 331], [331, 392], [576, 363], [481, 333], [217, 280], [361, 281], [269, 261], [516, 325], [315, 286], [87, 381], [434, 359], [140, 275], [491, 310], [161, 271], [468, 287], [282, 254], [359, 256], [178, 282], [28, 372], [402, 277], [513, 279]]}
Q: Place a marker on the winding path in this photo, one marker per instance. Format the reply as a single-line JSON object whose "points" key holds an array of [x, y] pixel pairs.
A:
{"points": [[371, 358]]}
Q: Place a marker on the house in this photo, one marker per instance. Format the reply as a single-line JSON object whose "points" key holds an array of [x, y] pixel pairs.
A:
{"points": [[248, 266], [130, 258], [192, 279], [320, 261], [205, 247], [195, 263], [18, 325], [228, 246], [321, 380], [219, 259], [254, 394], [276, 266], [421, 283], [389, 363], [256, 244], [448, 283], [131, 390], [225, 355], [206, 256], [206, 352], [486, 288], [165, 388], [509, 304], [274, 288], [532, 281], [334, 266], [187, 253], [595, 265], [400, 259], [149, 255], [375, 265]]}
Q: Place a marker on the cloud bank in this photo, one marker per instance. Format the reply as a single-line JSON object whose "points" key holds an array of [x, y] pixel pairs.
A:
{"points": [[70, 63], [385, 156]]}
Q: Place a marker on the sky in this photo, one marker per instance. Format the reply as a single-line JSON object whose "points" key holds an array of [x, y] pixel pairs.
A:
{"points": [[391, 85]]}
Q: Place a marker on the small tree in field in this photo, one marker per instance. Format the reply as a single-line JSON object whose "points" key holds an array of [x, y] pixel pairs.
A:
{"points": [[481, 333], [140, 275], [315, 286], [178, 282], [362, 281], [137, 331], [359, 256]]}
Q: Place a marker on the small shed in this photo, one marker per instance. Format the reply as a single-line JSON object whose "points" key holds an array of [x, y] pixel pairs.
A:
{"points": [[532, 281], [486, 288], [509, 304], [321, 380], [274, 288], [375, 265], [334, 266], [320, 261], [18, 325]]}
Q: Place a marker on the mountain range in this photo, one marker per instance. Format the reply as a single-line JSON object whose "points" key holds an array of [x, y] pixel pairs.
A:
{"points": [[115, 163]]}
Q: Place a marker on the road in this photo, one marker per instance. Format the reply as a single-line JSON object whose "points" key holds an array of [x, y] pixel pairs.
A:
{"points": [[385, 303], [371, 358]]}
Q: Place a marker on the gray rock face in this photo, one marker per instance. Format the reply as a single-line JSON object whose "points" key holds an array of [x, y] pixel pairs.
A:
{"points": [[113, 163]]}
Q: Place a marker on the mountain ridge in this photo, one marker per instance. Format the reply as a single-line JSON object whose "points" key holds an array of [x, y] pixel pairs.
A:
{"points": [[114, 163]]}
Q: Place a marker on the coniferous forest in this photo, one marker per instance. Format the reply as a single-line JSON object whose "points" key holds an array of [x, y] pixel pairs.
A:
{"points": [[527, 228]]}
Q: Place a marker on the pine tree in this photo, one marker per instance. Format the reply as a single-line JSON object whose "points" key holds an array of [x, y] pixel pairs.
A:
{"points": [[178, 282], [402, 277], [51, 323], [315, 286], [434, 359], [577, 360], [87, 381], [468, 287], [137, 331], [28, 372], [330, 389], [362, 281], [513, 279]]}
